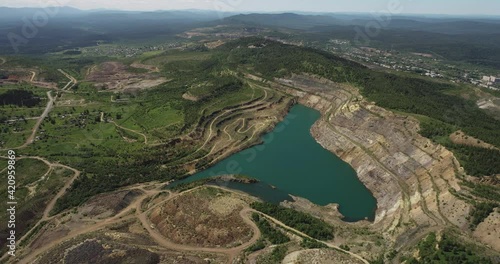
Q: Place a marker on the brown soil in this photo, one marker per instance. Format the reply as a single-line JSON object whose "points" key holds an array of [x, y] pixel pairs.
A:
{"points": [[488, 232], [125, 242], [320, 256], [107, 205], [190, 97], [48, 236], [95, 251], [207, 218], [461, 138], [150, 68], [214, 44], [117, 77], [23, 75]]}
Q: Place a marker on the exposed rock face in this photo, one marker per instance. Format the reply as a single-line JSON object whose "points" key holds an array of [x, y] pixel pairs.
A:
{"points": [[409, 175]]}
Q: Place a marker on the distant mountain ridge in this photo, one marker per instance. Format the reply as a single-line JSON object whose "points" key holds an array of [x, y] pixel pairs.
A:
{"points": [[445, 25], [288, 20]]}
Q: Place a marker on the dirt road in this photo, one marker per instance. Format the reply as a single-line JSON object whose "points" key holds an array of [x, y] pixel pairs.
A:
{"points": [[130, 130], [61, 192], [126, 214], [34, 130], [122, 216], [231, 252], [211, 126], [52, 203], [45, 113], [277, 222], [142, 216], [33, 75], [72, 81]]}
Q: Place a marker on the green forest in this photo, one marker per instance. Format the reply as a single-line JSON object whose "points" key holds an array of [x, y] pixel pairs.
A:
{"points": [[303, 222], [412, 95], [20, 98], [480, 212], [445, 250], [270, 233]]}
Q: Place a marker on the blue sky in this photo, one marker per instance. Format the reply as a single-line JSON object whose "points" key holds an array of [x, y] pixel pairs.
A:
{"points": [[475, 7]]}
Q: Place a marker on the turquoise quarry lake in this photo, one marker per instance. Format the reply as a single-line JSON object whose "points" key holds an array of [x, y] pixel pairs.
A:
{"points": [[293, 162]]}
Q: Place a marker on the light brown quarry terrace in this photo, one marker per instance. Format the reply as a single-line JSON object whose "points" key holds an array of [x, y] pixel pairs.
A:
{"points": [[410, 176]]}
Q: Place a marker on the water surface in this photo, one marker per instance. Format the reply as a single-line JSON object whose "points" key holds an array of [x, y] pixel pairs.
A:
{"points": [[293, 162]]}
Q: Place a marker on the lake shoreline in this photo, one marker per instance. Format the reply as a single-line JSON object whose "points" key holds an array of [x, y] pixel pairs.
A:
{"points": [[287, 166]]}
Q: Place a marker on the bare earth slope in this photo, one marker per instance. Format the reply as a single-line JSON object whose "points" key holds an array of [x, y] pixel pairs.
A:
{"points": [[410, 176]]}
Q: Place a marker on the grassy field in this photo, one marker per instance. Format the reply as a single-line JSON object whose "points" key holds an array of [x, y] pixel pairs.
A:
{"points": [[15, 134], [160, 59]]}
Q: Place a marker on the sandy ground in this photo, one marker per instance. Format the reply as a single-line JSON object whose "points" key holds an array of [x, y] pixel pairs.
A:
{"points": [[488, 231]]}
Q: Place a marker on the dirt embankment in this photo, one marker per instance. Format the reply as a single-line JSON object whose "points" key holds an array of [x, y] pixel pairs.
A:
{"points": [[205, 218], [320, 256], [461, 138], [488, 232], [410, 176]]}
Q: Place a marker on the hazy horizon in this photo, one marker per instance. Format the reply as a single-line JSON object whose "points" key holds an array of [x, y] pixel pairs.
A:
{"points": [[407, 7]]}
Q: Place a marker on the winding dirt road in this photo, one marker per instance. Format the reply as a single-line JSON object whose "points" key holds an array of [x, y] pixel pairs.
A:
{"points": [[48, 108], [34, 130], [72, 81], [279, 223], [52, 203], [231, 252], [136, 206], [142, 215], [130, 130], [211, 127], [33, 75]]}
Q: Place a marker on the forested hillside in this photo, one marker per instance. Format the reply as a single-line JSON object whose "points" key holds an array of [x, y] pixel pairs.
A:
{"points": [[411, 95]]}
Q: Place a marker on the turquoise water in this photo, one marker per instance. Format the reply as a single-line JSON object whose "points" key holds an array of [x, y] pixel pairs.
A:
{"points": [[292, 161]]}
